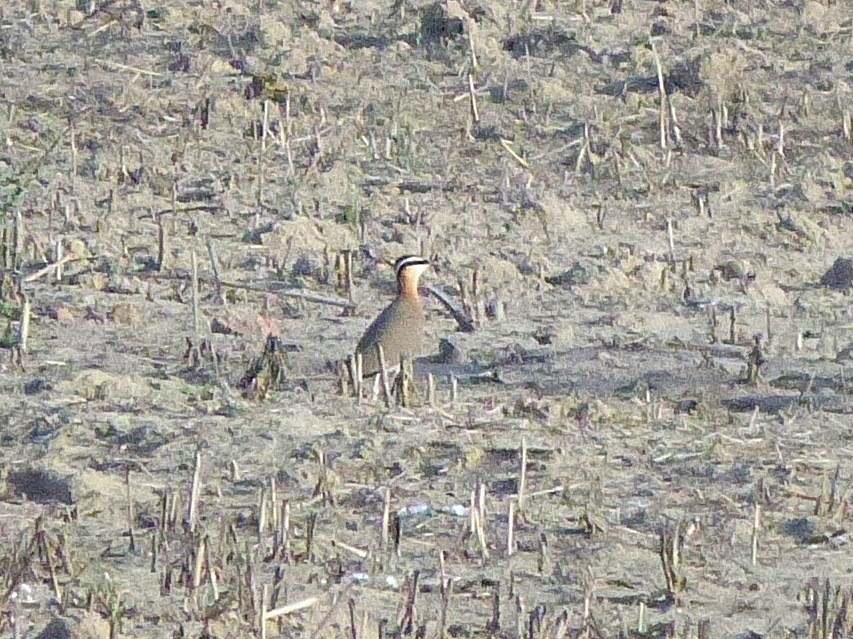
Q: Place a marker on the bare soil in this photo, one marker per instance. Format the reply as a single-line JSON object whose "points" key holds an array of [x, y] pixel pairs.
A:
{"points": [[642, 187]]}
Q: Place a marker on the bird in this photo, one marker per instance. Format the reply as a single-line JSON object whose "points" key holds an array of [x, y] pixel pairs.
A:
{"points": [[399, 329]]}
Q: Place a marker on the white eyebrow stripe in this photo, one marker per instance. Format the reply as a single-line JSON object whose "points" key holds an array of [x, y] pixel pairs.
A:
{"points": [[409, 260]]}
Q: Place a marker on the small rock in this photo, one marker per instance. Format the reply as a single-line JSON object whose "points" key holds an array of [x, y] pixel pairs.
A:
{"points": [[307, 266], [562, 336], [126, 314], [734, 270], [61, 314], [687, 406], [439, 24], [543, 337], [78, 249], [511, 354], [86, 6], [92, 626], [95, 315], [448, 352], [89, 626], [93, 281], [845, 354], [35, 386], [26, 596], [76, 17], [839, 275], [57, 629], [496, 309], [220, 327], [557, 336], [581, 273], [802, 528], [813, 14]]}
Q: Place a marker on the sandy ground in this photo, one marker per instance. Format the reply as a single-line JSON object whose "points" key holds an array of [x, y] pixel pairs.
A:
{"points": [[516, 144]]}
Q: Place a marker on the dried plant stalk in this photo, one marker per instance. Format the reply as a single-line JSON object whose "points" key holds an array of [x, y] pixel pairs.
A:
{"points": [[195, 292], [522, 474], [195, 493]]}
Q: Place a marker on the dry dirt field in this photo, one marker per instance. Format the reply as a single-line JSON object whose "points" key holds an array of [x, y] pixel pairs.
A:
{"points": [[636, 202]]}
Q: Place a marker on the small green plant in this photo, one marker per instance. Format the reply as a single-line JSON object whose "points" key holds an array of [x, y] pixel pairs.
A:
{"points": [[14, 183], [9, 338], [12, 190], [105, 598], [9, 309], [349, 214]]}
